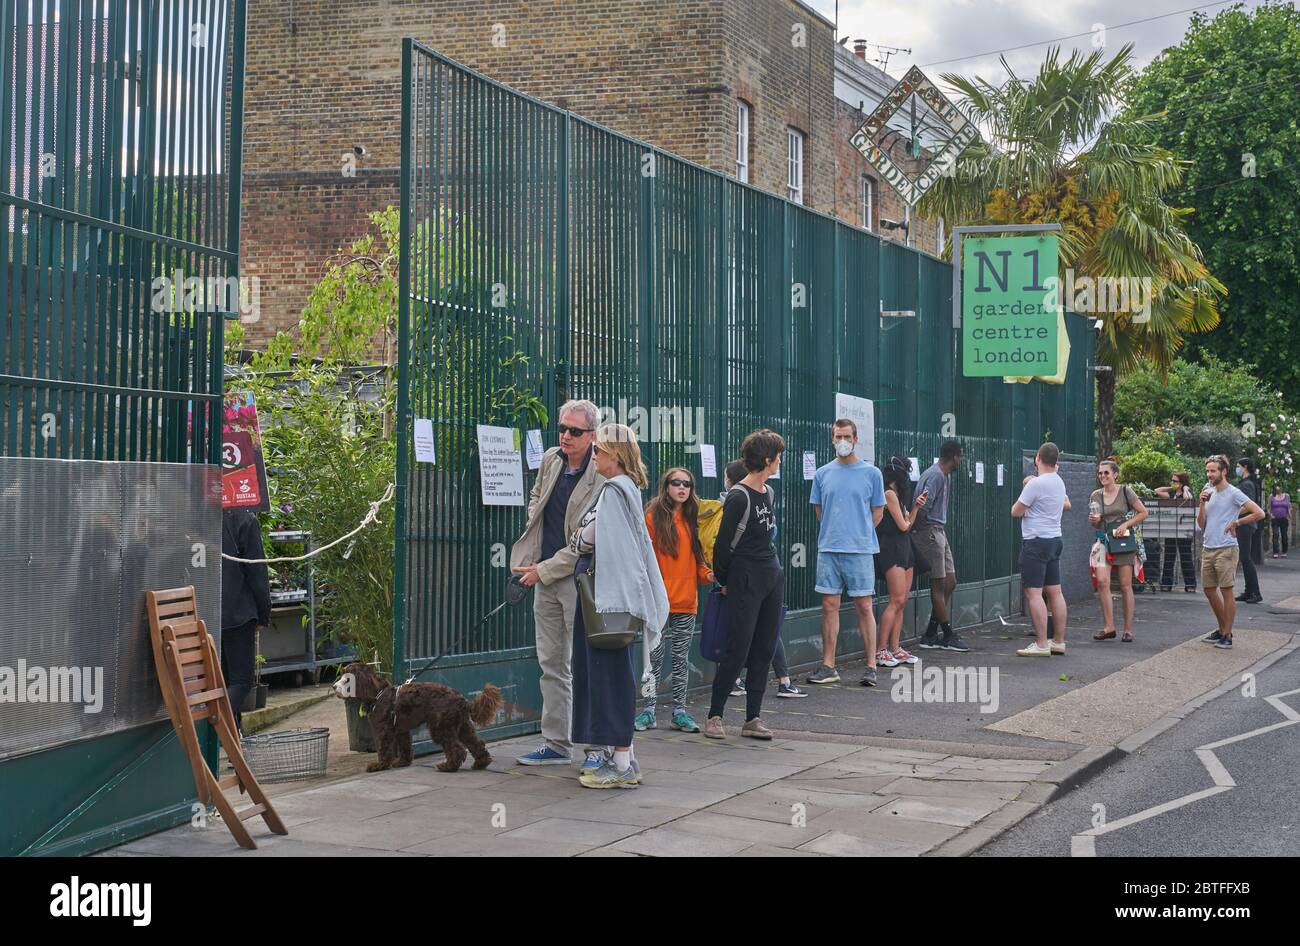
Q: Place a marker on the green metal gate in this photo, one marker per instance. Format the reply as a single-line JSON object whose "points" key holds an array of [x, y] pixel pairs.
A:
{"points": [[545, 256], [120, 149]]}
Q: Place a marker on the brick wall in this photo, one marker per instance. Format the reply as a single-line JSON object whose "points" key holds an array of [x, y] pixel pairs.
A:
{"points": [[324, 78]]}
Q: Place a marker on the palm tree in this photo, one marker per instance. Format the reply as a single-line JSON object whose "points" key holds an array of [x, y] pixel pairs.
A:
{"points": [[1057, 149]]}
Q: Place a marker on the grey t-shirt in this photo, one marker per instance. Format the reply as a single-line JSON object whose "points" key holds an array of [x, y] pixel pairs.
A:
{"points": [[1219, 511], [935, 509]]}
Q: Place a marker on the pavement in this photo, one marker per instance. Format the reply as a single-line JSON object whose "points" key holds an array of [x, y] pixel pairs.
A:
{"points": [[939, 761]]}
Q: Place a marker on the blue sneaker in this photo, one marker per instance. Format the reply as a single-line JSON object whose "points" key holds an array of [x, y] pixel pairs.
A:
{"points": [[544, 756], [595, 759], [644, 720], [1224, 643], [684, 721]]}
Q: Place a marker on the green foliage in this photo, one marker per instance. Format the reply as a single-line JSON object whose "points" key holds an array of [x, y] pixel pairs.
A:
{"points": [[1213, 392], [1227, 99], [1205, 440], [326, 427], [1149, 467], [1274, 447]]}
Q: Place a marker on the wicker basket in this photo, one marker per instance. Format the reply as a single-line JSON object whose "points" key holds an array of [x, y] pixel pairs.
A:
{"points": [[287, 756]]}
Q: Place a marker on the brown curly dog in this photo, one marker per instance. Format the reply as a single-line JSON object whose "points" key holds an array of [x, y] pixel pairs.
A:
{"points": [[395, 710]]}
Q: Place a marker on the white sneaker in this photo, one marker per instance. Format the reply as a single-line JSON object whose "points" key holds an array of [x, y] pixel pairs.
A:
{"points": [[1033, 650], [1056, 648]]}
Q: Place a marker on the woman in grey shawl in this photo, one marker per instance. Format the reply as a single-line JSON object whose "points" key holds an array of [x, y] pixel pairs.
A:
{"points": [[612, 531]]}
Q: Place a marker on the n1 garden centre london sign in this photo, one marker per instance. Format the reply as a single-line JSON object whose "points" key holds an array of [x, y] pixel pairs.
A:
{"points": [[870, 138], [1010, 310]]}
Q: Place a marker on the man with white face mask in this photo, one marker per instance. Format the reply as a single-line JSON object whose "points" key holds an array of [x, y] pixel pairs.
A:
{"points": [[849, 496]]}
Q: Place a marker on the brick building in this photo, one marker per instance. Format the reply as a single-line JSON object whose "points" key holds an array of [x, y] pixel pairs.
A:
{"points": [[755, 88]]}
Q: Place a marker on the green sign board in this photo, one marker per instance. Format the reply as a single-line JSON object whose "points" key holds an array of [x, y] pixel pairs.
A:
{"points": [[1009, 306]]}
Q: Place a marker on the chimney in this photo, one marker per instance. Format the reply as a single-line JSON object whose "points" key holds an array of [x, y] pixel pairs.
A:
{"points": [[860, 49]]}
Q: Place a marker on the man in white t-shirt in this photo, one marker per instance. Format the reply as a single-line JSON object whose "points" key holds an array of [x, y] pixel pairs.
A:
{"points": [[1218, 519], [1039, 509]]}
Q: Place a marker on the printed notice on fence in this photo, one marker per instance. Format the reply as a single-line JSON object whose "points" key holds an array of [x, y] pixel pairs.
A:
{"points": [[862, 412], [501, 469], [708, 461], [424, 440], [809, 465], [534, 450]]}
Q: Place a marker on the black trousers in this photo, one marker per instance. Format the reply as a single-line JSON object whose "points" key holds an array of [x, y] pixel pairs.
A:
{"points": [[1177, 549], [1245, 541], [238, 645], [755, 596], [1280, 537]]}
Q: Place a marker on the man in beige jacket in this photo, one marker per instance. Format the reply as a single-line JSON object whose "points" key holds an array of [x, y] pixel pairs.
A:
{"points": [[566, 485]]}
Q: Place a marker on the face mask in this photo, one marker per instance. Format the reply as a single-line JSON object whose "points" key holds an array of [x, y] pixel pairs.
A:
{"points": [[843, 448]]}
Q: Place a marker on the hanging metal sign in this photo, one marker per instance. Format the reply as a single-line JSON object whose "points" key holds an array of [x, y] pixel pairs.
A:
{"points": [[869, 139]]}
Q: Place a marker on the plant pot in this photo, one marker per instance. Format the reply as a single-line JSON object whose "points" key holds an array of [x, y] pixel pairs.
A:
{"points": [[361, 736], [256, 699]]}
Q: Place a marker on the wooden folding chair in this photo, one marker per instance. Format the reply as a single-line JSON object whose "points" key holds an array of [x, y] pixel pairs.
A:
{"points": [[189, 671]]}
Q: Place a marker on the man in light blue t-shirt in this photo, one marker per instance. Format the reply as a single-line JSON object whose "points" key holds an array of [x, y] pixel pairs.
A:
{"points": [[1041, 504], [849, 496], [1218, 518]]}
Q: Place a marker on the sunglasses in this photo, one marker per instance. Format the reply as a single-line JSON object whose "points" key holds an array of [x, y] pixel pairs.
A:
{"points": [[1104, 473], [686, 483], [574, 431]]}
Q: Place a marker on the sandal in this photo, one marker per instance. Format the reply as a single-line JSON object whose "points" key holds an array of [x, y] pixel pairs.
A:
{"points": [[1104, 636], [1127, 638]]}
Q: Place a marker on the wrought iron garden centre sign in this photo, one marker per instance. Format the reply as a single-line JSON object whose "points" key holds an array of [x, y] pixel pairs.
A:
{"points": [[869, 139]]}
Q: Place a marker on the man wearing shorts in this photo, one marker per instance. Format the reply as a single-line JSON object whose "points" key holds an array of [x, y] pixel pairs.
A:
{"points": [[930, 542], [848, 495], [1041, 504], [1218, 519]]}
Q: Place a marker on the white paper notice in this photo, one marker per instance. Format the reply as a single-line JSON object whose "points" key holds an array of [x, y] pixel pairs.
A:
{"points": [[979, 472], [1002, 475], [708, 460], [915, 474], [862, 412], [501, 469], [533, 449], [809, 464], [424, 440]]}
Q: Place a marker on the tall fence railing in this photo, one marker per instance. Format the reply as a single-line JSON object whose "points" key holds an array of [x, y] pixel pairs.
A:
{"points": [[119, 171], [544, 255]]}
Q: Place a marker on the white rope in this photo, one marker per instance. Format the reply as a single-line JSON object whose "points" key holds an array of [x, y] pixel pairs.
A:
{"points": [[371, 516]]}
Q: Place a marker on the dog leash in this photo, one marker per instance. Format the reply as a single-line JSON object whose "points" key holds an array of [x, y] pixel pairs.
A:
{"points": [[516, 591]]}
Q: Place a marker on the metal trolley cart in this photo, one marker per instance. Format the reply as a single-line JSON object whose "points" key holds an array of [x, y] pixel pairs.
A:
{"points": [[1172, 544], [289, 644]]}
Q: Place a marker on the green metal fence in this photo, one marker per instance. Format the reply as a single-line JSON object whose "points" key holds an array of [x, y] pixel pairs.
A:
{"points": [[632, 278], [120, 154]]}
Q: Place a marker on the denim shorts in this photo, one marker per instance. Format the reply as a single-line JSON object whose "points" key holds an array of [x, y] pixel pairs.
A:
{"points": [[841, 571], [1040, 562]]}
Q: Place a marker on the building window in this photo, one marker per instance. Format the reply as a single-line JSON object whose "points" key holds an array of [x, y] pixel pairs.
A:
{"points": [[794, 163], [742, 141], [868, 204]]}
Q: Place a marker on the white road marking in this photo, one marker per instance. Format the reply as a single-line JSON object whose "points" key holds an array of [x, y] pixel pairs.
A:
{"points": [[1084, 844]]}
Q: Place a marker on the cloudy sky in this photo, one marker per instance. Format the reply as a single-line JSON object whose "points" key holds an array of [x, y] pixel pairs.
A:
{"points": [[967, 30]]}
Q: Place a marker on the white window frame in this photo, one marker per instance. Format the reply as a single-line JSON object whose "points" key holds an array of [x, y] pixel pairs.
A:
{"points": [[867, 202], [794, 165], [742, 141]]}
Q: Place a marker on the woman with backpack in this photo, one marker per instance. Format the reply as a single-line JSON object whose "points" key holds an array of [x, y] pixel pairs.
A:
{"points": [[1114, 511], [752, 580], [672, 519]]}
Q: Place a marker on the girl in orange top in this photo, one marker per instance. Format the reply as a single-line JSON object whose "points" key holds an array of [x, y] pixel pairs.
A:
{"points": [[672, 518]]}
